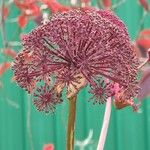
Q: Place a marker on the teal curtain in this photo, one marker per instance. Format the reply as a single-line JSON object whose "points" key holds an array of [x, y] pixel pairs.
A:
{"points": [[22, 127]]}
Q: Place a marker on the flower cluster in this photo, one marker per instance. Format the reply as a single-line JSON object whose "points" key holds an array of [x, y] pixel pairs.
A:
{"points": [[74, 49], [46, 98]]}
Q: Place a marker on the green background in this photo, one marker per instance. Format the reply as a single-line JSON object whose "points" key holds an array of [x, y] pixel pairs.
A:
{"points": [[24, 128]]}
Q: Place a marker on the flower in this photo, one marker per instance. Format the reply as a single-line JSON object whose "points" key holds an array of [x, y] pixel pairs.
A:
{"points": [[5, 12], [144, 4], [10, 53], [55, 6], [107, 3], [143, 39], [46, 98], [23, 71], [4, 67], [48, 147], [28, 9], [102, 91], [79, 48]]}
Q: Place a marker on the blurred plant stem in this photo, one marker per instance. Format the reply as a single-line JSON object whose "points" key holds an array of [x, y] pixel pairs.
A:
{"points": [[141, 23], [14, 44], [2, 24], [71, 123], [29, 130], [105, 125], [83, 144], [119, 3]]}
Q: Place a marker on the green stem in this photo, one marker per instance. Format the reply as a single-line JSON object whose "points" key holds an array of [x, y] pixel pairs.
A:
{"points": [[2, 24], [71, 123]]}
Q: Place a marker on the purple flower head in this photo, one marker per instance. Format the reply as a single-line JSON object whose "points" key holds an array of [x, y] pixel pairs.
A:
{"points": [[46, 99], [75, 49]]}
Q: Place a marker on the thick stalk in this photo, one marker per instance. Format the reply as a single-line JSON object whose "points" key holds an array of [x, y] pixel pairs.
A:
{"points": [[106, 119], [71, 123]]}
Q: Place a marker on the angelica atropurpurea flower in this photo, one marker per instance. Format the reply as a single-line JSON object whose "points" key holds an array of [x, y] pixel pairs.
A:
{"points": [[75, 49]]}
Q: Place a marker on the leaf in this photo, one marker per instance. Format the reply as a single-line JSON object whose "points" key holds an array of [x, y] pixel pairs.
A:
{"points": [[4, 67], [9, 52], [144, 4], [22, 21], [48, 147]]}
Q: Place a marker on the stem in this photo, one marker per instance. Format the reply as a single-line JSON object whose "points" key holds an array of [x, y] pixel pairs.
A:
{"points": [[105, 125], [144, 63], [71, 123], [120, 2], [141, 24], [2, 24], [29, 130]]}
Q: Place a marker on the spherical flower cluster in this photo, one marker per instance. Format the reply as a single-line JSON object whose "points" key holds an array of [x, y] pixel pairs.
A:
{"points": [[46, 98], [75, 49]]}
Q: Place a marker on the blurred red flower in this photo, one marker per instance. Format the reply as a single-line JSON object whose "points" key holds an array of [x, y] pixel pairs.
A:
{"points": [[107, 3], [48, 147], [144, 39], [144, 4], [9, 52], [5, 12], [55, 6], [4, 67], [28, 9]]}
